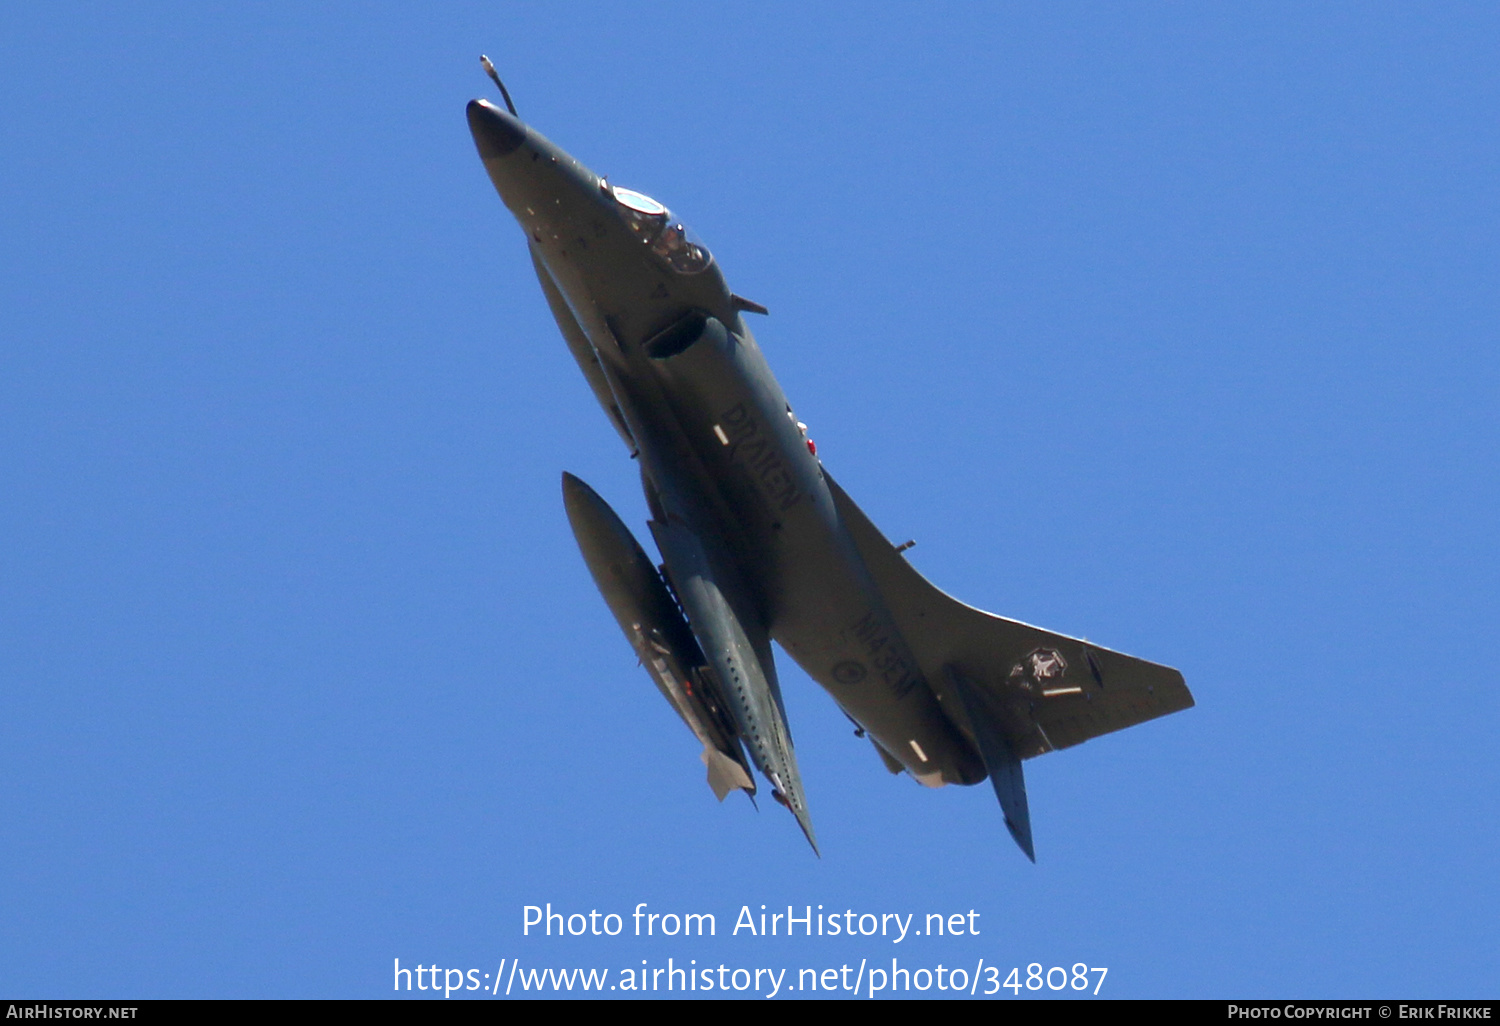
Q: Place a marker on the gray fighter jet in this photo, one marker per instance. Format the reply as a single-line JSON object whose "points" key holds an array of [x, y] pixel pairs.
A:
{"points": [[758, 541]]}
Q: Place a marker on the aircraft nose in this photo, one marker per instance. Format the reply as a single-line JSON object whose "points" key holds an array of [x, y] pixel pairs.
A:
{"points": [[496, 133]]}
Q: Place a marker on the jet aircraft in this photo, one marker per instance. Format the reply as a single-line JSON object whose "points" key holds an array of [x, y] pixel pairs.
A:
{"points": [[757, 540]]}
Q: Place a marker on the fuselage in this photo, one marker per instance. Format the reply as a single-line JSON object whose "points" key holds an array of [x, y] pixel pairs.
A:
{"points": [[662, 340]]}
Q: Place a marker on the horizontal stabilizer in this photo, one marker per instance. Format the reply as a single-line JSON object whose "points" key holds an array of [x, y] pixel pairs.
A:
{"points": [[724, 774]]}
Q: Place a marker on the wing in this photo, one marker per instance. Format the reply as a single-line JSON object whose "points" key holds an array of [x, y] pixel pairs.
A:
{"points": [[1041, 690], [719, 610]]}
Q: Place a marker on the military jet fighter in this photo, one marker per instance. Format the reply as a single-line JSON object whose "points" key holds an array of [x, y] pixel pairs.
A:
{"points": [[757, 540]]}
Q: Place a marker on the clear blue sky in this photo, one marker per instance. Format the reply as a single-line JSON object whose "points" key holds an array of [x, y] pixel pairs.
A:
{"points": [[1173, 326]]}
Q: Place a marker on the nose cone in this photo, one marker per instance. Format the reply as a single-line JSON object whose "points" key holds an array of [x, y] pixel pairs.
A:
{"points": [[496, 133], [547, 190]]}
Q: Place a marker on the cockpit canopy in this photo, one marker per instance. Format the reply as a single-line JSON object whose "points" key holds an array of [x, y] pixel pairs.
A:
{"points": [[653, 225]]}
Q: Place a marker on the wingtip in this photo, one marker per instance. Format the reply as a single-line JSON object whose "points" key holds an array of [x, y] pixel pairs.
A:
{"points": [[1022, 839], [805, 822], [811, 840]]}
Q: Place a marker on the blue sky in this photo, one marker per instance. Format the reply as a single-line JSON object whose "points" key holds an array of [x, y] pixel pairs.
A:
{"points": [[1171, 326]]}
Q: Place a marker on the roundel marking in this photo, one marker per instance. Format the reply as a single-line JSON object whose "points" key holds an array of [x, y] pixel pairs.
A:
{"points": [[850, 671]]}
